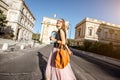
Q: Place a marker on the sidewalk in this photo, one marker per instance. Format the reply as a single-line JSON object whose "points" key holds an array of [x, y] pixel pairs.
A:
{"points": [[112, 61], [8, 55]]}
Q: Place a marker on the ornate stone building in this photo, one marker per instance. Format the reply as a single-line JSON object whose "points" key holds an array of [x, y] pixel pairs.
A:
{"points": [[4, 6], [48, 29], [19, 18], [96, 30]]}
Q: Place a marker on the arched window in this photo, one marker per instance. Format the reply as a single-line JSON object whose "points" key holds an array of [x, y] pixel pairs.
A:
{"points": [[53, 33], [90, 31]]}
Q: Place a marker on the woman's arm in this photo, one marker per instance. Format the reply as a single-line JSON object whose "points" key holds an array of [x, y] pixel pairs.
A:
{"points": [[62, 35], [63, 41]]}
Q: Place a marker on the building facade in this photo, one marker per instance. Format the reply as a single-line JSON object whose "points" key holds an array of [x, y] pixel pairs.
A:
{"points": [[49, 29], [4, 7], [96, 30], [19, 18]]}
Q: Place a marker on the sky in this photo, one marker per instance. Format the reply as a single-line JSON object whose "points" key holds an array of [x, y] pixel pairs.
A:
{"points": [[74, 11]]}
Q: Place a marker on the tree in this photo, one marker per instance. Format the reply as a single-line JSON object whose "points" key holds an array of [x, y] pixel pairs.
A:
{"points": [[3, 20], [5, 31], [70, 42], [36, 37]]}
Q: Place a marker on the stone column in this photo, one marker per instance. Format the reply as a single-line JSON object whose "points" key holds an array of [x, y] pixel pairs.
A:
{"points": [[30, 36]]}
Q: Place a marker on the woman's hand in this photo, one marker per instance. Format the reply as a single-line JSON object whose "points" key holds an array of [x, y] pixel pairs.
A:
{"points": [[52, 39], [70, 52]]}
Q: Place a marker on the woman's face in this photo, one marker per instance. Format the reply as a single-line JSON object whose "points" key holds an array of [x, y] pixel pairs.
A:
{"points": [[59, 24]]}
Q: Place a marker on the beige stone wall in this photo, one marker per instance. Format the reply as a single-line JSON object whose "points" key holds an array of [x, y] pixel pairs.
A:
{"points": [[3, 6], [48, 26], [96, 30], [20, 19]]}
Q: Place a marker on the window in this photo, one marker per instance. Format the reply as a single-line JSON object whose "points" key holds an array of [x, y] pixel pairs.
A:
{"points": [[22, 9], [106, 35], [116, 36], [111, 35], [90, 32], [75, 34], [79, 32]]}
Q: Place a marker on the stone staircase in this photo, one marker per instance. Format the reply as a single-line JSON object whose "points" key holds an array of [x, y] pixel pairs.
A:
{"points": [[13, 45], [10, 42], [1, 46], [13, 48]]}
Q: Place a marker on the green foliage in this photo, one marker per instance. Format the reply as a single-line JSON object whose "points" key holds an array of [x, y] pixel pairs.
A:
{"points": [[69, 42], [87, 44], [3, 20], [94, 47], [5, 31], [36, 37], [100, 48]]}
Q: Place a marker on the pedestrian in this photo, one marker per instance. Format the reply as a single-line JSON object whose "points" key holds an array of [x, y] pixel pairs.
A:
{"points": [[53, 73]]}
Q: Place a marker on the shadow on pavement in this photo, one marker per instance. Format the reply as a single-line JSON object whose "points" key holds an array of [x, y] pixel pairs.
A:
{"points": [[42, 65]]}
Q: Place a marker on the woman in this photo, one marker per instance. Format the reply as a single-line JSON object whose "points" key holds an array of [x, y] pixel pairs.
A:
{"points": [[53, 73]]}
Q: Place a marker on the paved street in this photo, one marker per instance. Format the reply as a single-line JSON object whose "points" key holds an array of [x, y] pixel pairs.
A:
{"points": [[92, 69], [25, 67], [31, 66], [87, 68]]}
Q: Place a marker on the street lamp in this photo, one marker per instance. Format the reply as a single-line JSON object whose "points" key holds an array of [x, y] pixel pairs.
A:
{"points": [[70, 26]]}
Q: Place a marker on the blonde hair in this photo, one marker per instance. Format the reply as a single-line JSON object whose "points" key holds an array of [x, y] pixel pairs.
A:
{"points": [[63, 24], [64, 29]]}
